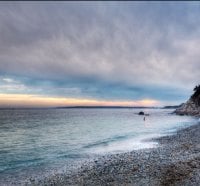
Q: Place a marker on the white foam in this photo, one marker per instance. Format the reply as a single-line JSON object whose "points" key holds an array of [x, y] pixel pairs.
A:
{"points": [[125, 145]]}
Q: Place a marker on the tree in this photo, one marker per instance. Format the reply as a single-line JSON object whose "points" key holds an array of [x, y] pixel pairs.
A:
{"points": [[196, 95]]}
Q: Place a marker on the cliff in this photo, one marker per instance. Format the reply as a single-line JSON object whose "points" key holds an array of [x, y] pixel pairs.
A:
{"points": [[192, 106]]}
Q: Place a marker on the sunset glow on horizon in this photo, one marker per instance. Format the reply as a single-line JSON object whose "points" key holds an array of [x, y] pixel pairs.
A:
{"points": [[23, 100]]}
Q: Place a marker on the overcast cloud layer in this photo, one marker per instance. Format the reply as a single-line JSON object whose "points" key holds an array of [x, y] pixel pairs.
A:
{"points": [[100, 50]]}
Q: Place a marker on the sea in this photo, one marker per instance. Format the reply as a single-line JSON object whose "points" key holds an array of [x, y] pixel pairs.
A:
{"points": [[36, 143]]}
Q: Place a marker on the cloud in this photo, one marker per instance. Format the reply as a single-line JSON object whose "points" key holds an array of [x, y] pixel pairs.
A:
{"points": [[127, 50], [9, 80]]}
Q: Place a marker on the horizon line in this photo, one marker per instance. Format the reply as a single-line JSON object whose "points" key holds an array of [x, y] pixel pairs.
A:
{"points": [[90, 107]]}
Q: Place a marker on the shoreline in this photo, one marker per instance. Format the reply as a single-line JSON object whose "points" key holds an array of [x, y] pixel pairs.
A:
{"points": [[176, 161]]}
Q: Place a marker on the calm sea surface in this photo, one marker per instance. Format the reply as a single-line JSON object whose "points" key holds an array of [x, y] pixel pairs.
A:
{"points": [[34, 142]]}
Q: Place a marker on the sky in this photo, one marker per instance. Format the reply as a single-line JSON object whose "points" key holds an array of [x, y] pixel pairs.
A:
{"points": [[98, 53]]}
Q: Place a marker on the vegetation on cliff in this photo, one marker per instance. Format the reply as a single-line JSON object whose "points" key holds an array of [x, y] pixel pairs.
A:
{"points": [[196, 95]]}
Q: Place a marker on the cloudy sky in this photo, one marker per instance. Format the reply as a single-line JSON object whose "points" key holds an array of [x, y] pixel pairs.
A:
{"points": [[98, 53]]}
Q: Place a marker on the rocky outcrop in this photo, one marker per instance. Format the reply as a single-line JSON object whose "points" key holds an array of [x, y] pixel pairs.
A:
{"points": [[192, 106], [188, 108]]}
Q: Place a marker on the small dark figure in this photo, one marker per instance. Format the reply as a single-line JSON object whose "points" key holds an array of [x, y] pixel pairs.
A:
{"points": [[144, 118]]}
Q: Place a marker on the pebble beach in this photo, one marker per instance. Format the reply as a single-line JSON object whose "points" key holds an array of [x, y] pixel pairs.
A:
{"points": [[176, 161]]}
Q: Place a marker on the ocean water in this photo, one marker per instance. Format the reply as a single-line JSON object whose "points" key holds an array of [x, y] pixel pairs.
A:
{"points": [[37, 142]]}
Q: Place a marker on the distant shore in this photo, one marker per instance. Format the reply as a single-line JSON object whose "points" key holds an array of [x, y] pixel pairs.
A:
{"points": [[175, 162]]}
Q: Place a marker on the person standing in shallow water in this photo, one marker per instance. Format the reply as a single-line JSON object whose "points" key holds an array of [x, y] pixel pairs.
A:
{"points": [[144, 119]]}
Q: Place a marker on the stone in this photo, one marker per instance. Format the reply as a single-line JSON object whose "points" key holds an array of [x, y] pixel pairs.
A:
{"points": [[141, 113], [192, 106]]}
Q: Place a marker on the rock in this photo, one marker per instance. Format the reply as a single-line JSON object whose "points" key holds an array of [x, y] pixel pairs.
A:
{"points": [[192, 106], [188, 108], [141, 113]]}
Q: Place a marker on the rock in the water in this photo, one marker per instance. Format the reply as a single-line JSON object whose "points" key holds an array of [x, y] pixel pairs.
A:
{"points": [[141, 113]]}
